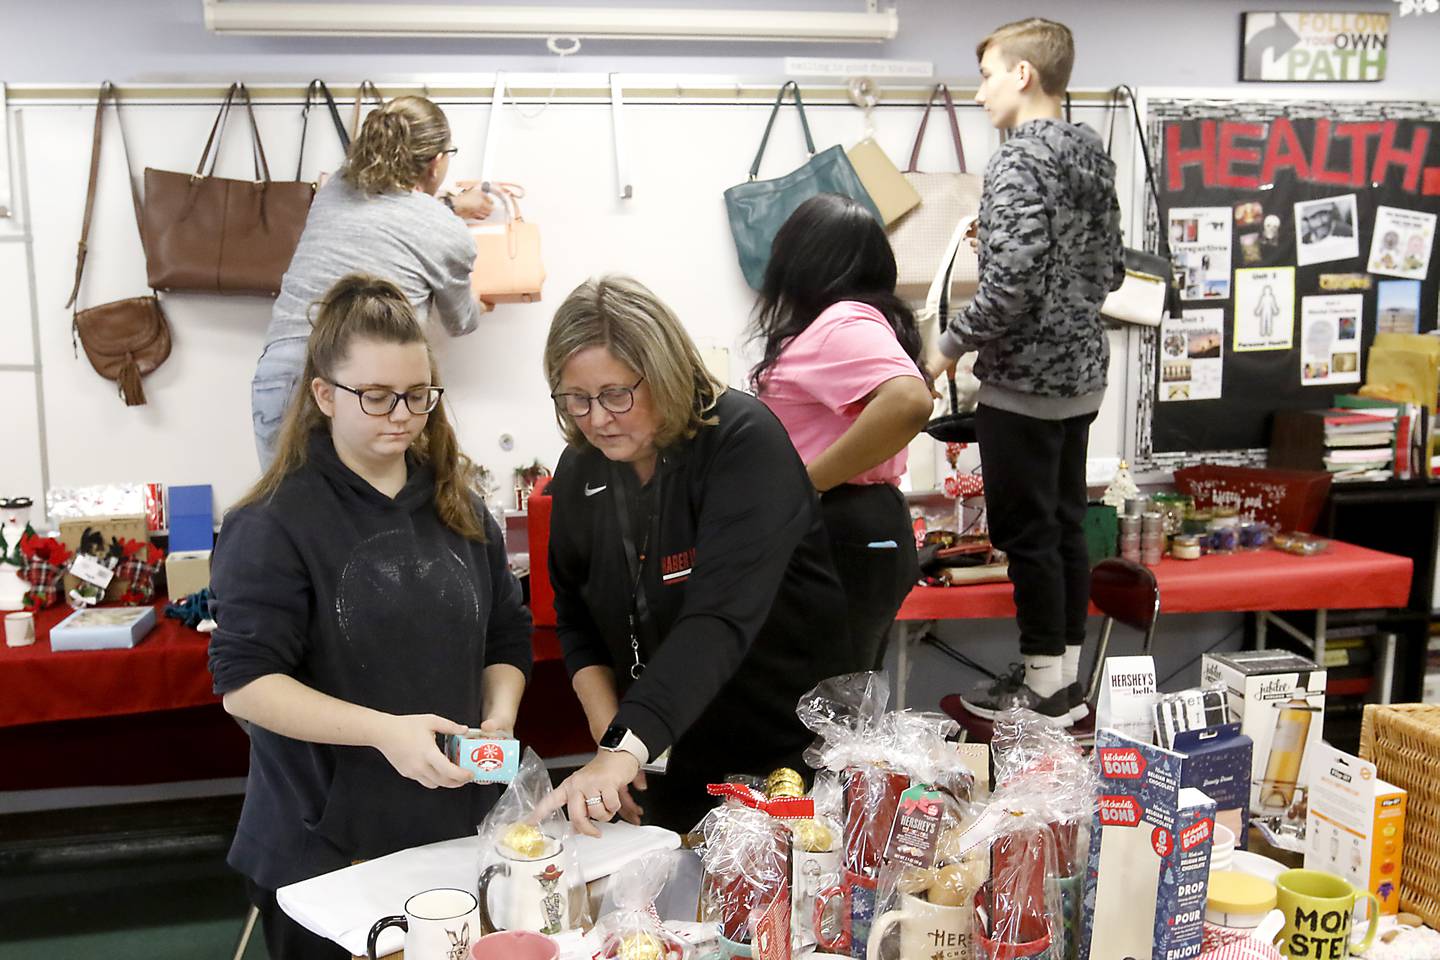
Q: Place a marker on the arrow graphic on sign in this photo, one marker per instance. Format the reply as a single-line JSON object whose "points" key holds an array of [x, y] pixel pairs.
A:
{"points": [[1277, 37]]}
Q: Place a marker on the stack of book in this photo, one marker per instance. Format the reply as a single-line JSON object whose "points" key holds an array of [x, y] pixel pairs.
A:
{"points": [[1358, 439]]}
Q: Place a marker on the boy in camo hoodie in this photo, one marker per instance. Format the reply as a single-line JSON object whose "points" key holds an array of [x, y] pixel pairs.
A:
{"points": [[1049, 245]]}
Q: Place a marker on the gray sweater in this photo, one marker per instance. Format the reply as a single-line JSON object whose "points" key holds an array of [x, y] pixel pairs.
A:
{"points": [[1049, 253], [408, 238]]}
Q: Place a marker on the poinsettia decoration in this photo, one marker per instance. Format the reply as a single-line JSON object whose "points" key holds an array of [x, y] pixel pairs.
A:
{"points": [[139, 564], [43, 562]]}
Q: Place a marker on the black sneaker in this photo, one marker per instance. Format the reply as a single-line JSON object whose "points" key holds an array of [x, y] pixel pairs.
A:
{"points": [[1010, 690]]}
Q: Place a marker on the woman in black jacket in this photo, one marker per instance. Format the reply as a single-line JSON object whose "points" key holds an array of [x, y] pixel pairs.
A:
{"points": [[694, 591], [363, 605]]}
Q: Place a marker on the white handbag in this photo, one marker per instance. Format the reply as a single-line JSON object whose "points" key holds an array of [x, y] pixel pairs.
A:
{"points": [[1141, 297], [919, 237], [1143, 294]]}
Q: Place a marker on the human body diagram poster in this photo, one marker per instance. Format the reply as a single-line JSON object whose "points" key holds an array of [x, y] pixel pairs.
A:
{"points": [[1287, 222]]}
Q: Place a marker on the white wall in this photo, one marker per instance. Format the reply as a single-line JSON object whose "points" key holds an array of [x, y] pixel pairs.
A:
{"points": [[672, 234], [1140, 42]]}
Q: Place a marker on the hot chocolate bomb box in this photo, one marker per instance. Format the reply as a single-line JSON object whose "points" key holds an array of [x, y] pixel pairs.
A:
{"points": [[1149, 856]]}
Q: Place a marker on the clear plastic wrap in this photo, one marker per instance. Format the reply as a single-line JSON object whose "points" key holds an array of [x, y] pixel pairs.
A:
{"points": [[746, 856], [877, 757], [633, 931], [530, 877]]}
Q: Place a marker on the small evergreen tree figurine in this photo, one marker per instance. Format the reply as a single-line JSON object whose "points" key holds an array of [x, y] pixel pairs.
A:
{"points": [[1122, 488]]}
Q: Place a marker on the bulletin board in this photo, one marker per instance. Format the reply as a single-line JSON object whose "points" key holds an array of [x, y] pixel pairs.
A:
{"points": [[1297, 229]]}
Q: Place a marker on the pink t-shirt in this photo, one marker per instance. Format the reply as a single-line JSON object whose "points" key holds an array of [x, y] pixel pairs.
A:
{"points": [[821, 376]]}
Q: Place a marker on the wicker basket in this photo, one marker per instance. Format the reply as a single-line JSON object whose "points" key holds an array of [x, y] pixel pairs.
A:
{"points": [[1403, 742]]}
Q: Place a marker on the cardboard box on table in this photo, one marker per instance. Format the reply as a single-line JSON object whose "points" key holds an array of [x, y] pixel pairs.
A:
{"points": [[122, 527], [102, 628], [1355, 824], [1218, 761], [1278, 698], [186, 572], [1150, 848]]}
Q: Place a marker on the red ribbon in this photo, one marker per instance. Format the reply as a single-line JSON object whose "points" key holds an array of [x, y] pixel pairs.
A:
{"points": [[783, 808]]}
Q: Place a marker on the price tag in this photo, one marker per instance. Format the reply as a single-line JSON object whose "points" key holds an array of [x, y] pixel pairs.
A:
{"points": [[92, 571]]}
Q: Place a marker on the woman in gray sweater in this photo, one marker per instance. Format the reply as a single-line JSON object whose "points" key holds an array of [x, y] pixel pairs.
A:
{"points": [[379, 216]]}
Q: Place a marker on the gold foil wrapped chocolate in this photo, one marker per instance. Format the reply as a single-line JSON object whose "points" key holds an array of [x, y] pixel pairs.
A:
{"points": [[640, 946], [813, 836], [784, 783], [524, 839]]}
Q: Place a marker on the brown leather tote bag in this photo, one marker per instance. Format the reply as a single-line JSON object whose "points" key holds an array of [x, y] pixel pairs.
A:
{"points": [[217, 235], [124, 339]]}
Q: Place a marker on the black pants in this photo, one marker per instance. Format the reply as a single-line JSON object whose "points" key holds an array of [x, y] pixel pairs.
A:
{"points": [[876, 579], [285, 939], [1035, 500]]}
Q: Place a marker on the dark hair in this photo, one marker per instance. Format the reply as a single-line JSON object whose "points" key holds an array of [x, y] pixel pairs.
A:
{"points": [[830, 249]]}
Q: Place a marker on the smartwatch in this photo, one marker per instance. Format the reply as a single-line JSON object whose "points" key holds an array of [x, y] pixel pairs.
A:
{"points": [[618, 739]]}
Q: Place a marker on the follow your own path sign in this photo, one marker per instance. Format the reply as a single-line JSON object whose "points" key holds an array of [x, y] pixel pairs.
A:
{"points": [[1315, 47]]}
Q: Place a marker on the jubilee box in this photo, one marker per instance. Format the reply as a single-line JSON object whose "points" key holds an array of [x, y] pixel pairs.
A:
{"points": [[1278, 698]]}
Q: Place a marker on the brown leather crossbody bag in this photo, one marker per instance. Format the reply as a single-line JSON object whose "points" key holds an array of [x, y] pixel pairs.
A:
{"points": [[124, 339]]}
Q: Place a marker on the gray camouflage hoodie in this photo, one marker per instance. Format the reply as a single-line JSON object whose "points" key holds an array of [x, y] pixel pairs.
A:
{"points": [[1049, 232]]}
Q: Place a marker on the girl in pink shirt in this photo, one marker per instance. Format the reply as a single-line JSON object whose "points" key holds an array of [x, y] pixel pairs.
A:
{"points": [[840, 372]]}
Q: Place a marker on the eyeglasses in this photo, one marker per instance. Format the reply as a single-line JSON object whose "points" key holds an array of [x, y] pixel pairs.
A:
{"points": [[448, 152], [613, 399], [378, 402]]}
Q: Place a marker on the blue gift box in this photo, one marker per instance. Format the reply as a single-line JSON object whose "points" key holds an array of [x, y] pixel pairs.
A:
{"points": [[192, 517], [1218, 762], [102, 628]]}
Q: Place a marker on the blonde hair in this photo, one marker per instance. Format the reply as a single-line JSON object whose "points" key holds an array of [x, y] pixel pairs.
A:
{"points": [[623, 316], [1046, 45], [396, 143], [365, 307]]}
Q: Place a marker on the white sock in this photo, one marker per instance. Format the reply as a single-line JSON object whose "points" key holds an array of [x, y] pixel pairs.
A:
{"points": [[1043, 674], [1070, 669]]}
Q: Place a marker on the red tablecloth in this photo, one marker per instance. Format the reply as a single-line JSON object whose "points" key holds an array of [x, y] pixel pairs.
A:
{"points": [[1344, 577], [168, 671]]}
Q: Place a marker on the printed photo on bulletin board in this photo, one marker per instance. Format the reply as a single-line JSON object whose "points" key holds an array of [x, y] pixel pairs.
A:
{"points": [[1332, 210]]}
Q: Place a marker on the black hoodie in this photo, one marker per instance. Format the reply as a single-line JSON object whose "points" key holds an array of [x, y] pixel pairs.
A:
{"points": [[372, 601], [747, 612]]}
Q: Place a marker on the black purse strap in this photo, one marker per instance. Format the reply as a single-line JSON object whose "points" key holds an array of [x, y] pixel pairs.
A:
{"points": [[944, 312], [804, 124], [318, 86], [940, 90], [107, 91], [1149, 167]]}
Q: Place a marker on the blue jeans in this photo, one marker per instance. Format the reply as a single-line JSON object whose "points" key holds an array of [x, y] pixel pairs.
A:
{"points": [[271, 391]]}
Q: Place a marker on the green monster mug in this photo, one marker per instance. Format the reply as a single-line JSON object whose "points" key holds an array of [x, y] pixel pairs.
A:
{"points": [[1319, 909]]}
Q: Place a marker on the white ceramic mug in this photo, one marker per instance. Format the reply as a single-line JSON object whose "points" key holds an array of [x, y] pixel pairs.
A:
{"points": [[535, 892], [19, 629], [439, 925], [926, 930]]}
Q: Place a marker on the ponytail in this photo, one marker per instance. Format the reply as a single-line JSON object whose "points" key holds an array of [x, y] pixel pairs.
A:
{"points": [[396, 143]]}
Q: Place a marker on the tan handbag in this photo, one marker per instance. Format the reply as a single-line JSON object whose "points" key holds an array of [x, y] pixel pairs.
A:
{"points": [[893, 195], [215, 235], [125, 339], [920, 237], [508, 268]]}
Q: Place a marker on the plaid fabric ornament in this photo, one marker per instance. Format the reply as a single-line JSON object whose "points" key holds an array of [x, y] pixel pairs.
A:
{"points": [[44, 562], [141, 561]]}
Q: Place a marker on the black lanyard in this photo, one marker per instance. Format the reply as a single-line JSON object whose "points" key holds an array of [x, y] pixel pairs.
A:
{"points": [[635, 560]]}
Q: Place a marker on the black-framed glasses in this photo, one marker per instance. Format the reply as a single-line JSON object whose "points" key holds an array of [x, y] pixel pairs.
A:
{"points": [[613, 399], [448, 152], [378, 402]]}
